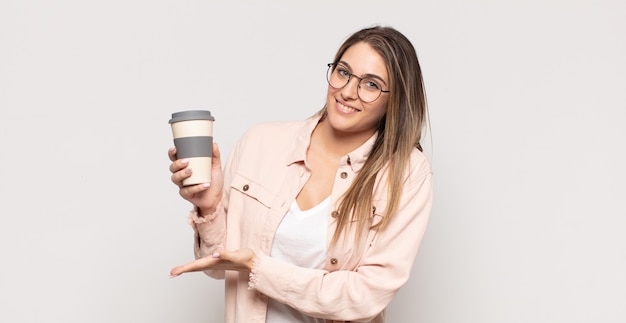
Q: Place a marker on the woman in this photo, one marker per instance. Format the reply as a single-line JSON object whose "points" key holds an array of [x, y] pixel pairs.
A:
{"points": [[321, 220]]}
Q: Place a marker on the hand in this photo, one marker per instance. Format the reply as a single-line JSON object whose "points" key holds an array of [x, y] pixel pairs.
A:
{"points": [[221, 259], [204, 196]]}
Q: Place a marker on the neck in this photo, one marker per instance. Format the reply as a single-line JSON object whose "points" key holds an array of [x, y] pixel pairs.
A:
{"points": [[338, 143]]}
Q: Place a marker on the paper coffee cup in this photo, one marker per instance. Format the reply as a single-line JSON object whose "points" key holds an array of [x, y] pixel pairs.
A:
{"points": [[193, 139]]}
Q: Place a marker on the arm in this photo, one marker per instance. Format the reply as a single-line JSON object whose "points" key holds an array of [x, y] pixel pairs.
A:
{"points": [[210, 225], [208, 218]]}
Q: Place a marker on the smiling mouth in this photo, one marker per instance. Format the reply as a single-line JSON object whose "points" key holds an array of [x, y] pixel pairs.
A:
{"points": [[345, 108]]}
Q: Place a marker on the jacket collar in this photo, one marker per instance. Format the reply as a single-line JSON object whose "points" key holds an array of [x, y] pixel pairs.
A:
{"points": [[354, 159]]}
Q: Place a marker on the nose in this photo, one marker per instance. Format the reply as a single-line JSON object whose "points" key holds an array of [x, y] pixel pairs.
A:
{"points": [[350, 90]]}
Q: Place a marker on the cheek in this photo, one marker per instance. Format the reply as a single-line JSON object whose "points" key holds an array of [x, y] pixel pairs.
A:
{"points": [[330, 93], [379, 111]]}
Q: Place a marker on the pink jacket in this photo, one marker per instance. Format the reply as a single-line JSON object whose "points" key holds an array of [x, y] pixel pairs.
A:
{"points": [[263, 175]]}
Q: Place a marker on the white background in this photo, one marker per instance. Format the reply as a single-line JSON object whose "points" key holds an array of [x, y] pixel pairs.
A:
{"points": [[527, 106]]}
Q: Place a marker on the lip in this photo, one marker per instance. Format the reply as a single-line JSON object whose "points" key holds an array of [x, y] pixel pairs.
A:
{"points": [[340, 104]]}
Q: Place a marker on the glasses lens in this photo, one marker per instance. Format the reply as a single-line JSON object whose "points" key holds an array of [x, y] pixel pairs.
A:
{"points": [[338, 76], [368, 93]]}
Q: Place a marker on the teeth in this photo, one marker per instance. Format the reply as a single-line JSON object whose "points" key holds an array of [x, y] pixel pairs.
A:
{"points": [[346, 109]]}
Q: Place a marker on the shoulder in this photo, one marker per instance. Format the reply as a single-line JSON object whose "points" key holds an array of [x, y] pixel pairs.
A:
{"points": [[271, 137], [416, 170], [271, 129], [419, 165]]}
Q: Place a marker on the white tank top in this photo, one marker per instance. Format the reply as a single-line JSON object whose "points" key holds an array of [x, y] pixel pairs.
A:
{"points": [[300, 240]]}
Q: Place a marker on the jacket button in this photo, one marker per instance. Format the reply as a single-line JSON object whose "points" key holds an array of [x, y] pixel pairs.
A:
{"points": [[334, 214], [333, 261], [246, 187], [344, 175]]}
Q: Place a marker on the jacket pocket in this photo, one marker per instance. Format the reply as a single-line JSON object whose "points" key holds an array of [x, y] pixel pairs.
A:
{"points": [[252, 189]]}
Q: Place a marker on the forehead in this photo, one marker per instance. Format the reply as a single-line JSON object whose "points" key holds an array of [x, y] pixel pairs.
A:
{"points": [[363, 59]]}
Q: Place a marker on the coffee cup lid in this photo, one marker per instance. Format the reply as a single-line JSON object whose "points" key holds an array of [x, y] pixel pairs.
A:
{"points": [[191, 115]]}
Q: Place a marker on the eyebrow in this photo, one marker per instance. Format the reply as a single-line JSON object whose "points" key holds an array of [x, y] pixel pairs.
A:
{"points": [[363, 76]]}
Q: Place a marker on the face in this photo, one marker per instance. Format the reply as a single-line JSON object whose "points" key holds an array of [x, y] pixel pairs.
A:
{"points": [[346, 112]]}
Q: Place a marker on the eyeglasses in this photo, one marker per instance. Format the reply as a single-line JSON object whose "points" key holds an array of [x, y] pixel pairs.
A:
{"points": [[368, 89]]}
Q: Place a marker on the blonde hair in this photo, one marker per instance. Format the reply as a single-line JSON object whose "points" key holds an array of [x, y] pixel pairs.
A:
{"points": [[399, 131]]}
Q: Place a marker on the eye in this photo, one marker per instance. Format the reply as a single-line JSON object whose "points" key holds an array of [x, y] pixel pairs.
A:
{"points": [[371, 84], [342, 71]]}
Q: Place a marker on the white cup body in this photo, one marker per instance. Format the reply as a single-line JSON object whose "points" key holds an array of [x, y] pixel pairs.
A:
{"points": [[193, 140], [201, 171], [192, 128]]}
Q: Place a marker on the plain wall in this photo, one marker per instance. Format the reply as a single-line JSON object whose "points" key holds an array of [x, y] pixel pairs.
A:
{"points": [[527, 106]]}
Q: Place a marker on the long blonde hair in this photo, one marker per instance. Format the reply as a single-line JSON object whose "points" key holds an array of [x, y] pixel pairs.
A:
{"points": [[399, 131]]}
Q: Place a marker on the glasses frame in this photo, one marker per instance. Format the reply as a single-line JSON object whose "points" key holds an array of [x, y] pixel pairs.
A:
{"points": [[350, 75]]}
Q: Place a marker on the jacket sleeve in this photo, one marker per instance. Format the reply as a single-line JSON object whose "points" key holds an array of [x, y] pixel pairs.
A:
{"points": [[361, 294]]}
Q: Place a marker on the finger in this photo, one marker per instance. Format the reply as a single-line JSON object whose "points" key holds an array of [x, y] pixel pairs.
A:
{"points": [[177, 178], [171, 153], [187, 192], [179, 164], [196, 265], [178, 175]]}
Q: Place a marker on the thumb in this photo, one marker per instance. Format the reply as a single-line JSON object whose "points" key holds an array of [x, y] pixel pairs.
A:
{"points": [[216, 159]]}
